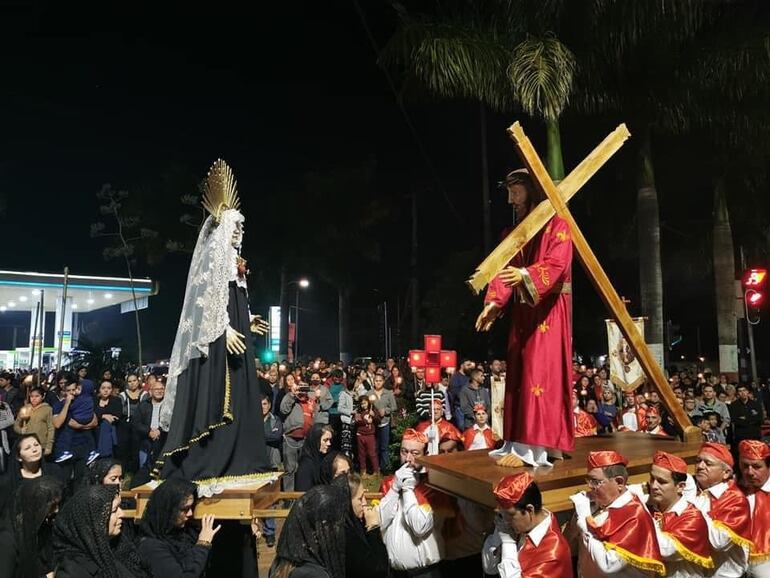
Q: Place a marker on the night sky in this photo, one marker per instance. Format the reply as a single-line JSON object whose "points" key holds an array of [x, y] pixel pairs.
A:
{"points": [[147, 95]]}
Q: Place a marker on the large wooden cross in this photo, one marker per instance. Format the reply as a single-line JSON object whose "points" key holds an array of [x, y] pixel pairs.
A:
{"points": [[557, 204]]}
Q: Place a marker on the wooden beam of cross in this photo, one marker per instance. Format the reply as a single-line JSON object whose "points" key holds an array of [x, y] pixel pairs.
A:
{"points": [[601, 282], [540, 215]]}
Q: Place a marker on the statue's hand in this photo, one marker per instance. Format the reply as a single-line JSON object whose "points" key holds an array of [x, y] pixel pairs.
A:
{"points": [[511, 276], [259, 325], [236, 342], [487, 317]]}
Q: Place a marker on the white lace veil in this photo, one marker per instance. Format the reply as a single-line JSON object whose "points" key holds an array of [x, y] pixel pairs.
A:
{"points": [[204, 313]]}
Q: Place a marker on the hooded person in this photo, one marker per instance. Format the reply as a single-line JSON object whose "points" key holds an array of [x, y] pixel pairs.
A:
{"points": [[727, 510], [27, 550], [213, 392], [754, 457], [312, 541], [87, 539], [168, 542], [315, 448], [681, 528]]}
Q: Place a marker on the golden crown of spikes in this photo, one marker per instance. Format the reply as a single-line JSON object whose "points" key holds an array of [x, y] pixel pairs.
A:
{"points": [[220, 191]]}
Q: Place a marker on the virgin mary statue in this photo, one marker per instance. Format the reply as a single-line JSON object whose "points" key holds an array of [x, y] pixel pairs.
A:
{"points": [[212, 406]]}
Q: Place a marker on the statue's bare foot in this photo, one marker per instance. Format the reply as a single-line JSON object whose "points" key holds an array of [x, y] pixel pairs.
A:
{"points": [[510, 461]]}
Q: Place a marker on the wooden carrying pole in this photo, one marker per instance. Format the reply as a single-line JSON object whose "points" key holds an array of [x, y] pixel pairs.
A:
{"points": [[602, 284]]}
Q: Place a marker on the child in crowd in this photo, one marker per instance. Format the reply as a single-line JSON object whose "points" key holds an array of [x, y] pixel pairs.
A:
{"points": [[704, 424], [716, 426], [366, 422], [480, 435], [81, 410]]}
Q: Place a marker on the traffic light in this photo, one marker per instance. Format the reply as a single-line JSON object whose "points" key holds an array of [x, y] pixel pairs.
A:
{"points": [[754, 289]]}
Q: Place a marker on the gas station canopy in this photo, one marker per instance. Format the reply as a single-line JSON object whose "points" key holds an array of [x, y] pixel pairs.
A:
{"points": [[21, 291]]}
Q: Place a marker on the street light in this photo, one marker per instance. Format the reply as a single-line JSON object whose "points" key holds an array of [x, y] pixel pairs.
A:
{"points": [[303, 283]]}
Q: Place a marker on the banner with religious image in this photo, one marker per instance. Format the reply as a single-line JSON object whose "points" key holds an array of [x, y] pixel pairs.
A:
{"points": [[625, 371]]}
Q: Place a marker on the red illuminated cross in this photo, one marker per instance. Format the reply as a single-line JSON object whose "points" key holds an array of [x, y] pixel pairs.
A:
{"points": [[432, 359]]}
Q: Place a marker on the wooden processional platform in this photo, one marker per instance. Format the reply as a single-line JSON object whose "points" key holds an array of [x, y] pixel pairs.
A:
{"points": [[240, 503], [472, 475]]}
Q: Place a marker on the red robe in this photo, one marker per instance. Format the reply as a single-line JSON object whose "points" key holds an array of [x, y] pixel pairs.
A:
{"points": [[552, 557], [732, 514], [630, 531], [760, 528], [689, 532], [585, 424], [538, 392], [470, 434]]}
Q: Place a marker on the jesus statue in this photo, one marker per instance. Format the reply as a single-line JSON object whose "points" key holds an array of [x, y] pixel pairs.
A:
{"points": [[535, 287]]}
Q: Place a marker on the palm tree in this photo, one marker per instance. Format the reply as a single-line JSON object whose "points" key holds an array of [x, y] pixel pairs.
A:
{"points": [[667, 67], [489, 52]]}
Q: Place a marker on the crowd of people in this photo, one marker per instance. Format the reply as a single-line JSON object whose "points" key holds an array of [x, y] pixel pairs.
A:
{"points": [[70, 442]]}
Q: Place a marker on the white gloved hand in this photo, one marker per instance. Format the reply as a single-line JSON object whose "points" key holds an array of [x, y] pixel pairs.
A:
{"points": [[582, 510], [509, 549], [401, 474], [410, 483]]}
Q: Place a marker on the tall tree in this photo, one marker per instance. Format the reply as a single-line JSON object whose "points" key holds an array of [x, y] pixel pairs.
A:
{"points": [[501, 55]]}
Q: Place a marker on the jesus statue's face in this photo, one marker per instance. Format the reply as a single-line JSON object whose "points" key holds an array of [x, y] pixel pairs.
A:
{"points": [[519, 197]]}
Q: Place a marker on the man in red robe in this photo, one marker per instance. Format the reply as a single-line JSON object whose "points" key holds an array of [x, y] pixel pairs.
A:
{"points": [[618, 539], [585, 423], [527, 542], [480, 436], [535, 288], [681, 528], [754, 462], [443, 437], [728, 511]]}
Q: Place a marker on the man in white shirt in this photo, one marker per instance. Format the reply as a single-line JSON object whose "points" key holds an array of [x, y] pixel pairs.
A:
{"points": [[754, 462], [619, 538], [412, 514], [681, 528], [527, 542], [726, 508]]}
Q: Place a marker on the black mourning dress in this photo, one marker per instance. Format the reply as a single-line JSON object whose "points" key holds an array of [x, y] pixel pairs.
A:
{"points": [[216, 428]]}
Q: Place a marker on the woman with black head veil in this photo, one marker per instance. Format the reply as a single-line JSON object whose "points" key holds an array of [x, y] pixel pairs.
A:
{"points": [[334, 464], [26, 543], [104, 471], [366, 556], [170, 545], [27, 464], [315, 448], [312, 543], [88, 541]]}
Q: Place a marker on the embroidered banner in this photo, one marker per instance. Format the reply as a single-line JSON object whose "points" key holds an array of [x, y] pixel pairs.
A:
{"points": [[625, 371]]}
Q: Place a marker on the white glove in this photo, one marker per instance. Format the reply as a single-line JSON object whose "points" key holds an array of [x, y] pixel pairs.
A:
{"points": [[410, 483], [401, 474], [582, 509], [690, 489]]}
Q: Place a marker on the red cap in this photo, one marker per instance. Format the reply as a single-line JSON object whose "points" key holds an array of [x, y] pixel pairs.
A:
{"points": [[653, 411], [479, 407], [669, 462], [719, 451], [753, 450], [412, 435], [605, 459], [510, 489]]}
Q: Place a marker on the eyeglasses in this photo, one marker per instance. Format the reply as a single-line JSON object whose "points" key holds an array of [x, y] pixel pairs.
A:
{"points": [[593, 483]]}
